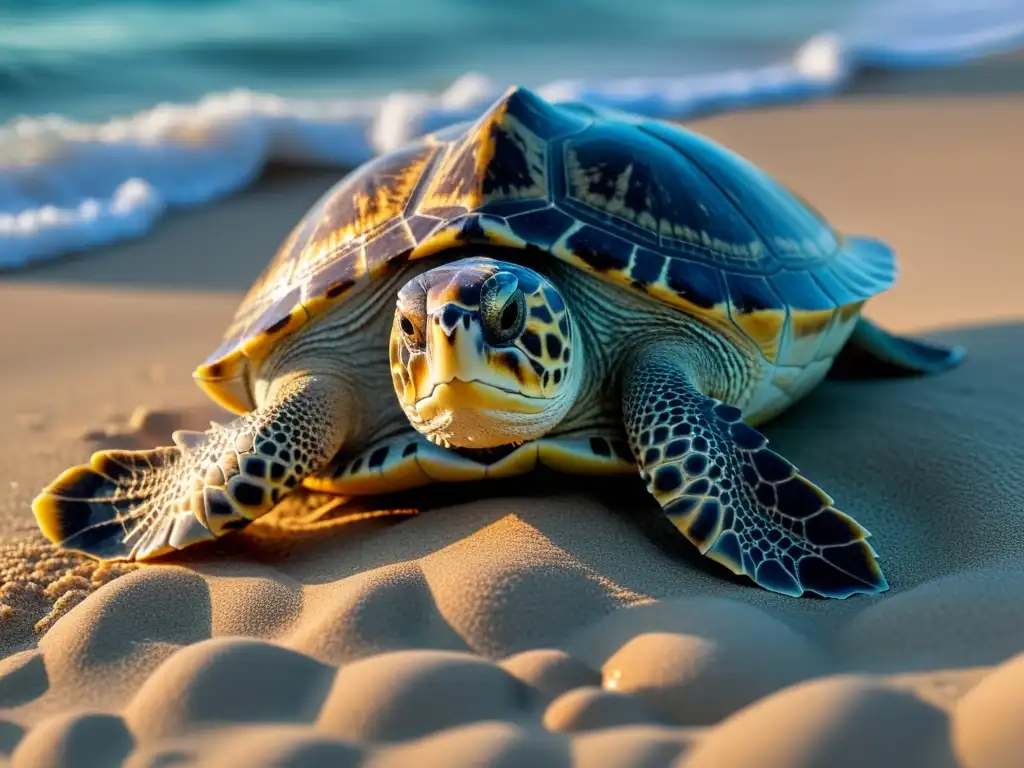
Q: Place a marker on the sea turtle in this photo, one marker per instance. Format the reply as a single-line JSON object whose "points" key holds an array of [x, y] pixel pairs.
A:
{"points": [[583, 289]]}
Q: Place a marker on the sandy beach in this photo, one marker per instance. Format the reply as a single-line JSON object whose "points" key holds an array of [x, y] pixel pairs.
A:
{"points": [[554, 626]]}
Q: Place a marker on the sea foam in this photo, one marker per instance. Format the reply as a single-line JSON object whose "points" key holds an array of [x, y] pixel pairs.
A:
{"points": [[67, 186]]}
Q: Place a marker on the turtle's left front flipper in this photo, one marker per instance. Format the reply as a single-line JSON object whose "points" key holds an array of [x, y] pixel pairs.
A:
{"points": [[873, 352], [738, 501], [137, 505]]}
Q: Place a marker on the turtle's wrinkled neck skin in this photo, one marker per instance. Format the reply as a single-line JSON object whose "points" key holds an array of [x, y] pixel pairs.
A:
{"points": [[614, 325], [348, 347]]}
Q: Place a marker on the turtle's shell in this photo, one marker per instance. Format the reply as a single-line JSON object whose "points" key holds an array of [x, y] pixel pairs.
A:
{"points": [[643, 204]]}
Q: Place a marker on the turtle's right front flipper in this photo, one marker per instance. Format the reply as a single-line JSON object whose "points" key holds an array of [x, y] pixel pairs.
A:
{"points": [[739, 502], [136, 505]]}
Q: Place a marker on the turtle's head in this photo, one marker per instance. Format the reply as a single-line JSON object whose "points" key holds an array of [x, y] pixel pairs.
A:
{"points": [[483, 354]]}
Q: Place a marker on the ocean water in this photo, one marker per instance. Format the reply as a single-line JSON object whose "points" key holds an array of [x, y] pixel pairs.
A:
{"points": [[111, 111]]}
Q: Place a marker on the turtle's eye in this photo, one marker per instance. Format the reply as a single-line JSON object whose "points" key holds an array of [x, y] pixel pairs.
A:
{"points": [[407, 327], [502, 308]]}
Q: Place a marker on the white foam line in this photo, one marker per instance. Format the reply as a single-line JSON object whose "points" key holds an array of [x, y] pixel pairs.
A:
{"points": [[67, 186]]}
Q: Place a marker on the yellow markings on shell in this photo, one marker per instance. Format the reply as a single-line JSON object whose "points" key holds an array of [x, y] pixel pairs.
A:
{"points": [[849, 311], [519, 462], [583, 180], [441, 240], [564, 457], [810, 322], [499, 234], [805, 335], [255, 348], [224, 382], [459, 179], [381, 198], [764, 328]]}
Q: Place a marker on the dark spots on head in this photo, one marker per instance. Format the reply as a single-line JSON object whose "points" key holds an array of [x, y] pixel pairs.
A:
{"points": [[267, 448], [531, 341], [469, 293], [450, 318], [681, 429], [554, 299], [410, 450], [599, 447], [541, 313], [291, 481], [377, 458], [334, 290], [660, 434], [284, 455], [557, 376], [651, 455], [553, 345], [667, 479], [700, 444], [539, 369], [566, 355], [249, 494], [277, 471], [563, 326], [511, 362]]}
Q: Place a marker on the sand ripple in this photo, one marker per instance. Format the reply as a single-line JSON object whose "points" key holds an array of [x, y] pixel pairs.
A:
{"points": [[555, 631]]}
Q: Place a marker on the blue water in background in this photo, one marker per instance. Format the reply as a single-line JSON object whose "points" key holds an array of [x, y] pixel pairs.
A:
{"points": [[97, 58], [113, 112]]}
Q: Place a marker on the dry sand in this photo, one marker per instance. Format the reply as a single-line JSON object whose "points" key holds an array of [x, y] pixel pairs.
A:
{"points": [[500, 628]]}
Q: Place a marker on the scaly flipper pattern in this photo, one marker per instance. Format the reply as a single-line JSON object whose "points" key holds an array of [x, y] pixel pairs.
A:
{"points": [[136, 505], [739, 502]]}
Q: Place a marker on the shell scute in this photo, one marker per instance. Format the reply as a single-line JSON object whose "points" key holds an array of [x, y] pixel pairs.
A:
{"points": [[635, 178], [541, 228], [791, 230], [801, 289]]}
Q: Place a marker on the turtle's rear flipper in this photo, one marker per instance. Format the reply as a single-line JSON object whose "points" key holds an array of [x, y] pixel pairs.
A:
{"points": [[874, 353], [123, 505]]}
